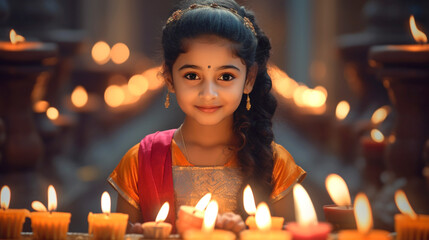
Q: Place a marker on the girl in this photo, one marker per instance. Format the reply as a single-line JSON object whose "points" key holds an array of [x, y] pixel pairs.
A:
{"points": [[215, 61]]}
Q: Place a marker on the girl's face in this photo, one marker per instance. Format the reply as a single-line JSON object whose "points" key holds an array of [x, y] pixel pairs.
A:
{"points": [[209, 80]]}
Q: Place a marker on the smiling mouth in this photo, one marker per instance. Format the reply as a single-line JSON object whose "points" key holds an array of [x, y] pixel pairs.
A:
{"points": [[208, 109]]}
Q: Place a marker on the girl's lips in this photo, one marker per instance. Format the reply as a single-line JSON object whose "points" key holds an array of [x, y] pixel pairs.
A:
{"points": [[208, 109]]}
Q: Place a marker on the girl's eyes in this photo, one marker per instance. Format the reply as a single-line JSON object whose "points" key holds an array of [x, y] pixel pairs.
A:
{"points": [[192, 76], [226, 77], [223, 77]]}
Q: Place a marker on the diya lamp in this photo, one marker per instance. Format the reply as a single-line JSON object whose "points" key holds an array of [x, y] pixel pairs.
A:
{"points": [[263, 228], [404, 69], [307, 227], [340, 214], [409, 225], [207, 231], [363, 215], [159, 228], [11, 220], [107, 225], [20, 50], [190, 217], [22, 64], [276, 223], [47, 224]]}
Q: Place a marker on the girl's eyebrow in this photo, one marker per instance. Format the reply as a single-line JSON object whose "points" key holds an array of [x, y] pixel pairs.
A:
{"points": [[199, 68]]}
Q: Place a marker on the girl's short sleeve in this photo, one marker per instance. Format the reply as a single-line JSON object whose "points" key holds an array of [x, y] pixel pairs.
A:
{"points": [[125, 176], [285, 172]]}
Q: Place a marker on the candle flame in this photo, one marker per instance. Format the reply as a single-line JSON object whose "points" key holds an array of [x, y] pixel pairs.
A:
{"points": [[210, 216], [263, 217], [403, 204], [114, 96], [79, 96], [38, 206], [363, 214], [15, 38], [338, 190], [52, 113], [418, 35], [101, 52], [40, 106], [380, 115], [119, 53], [105, 202], [249, 201], [342, 110], [304, 209], [376, 135], [5, 197], [52, 198], [203, 202], [163, 212]]}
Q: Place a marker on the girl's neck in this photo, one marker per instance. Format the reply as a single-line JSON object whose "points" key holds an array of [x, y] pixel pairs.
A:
{"points": [[208, 136]]}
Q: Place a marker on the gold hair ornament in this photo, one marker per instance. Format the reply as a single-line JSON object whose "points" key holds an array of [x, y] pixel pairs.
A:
{"points": [[178, 14]]}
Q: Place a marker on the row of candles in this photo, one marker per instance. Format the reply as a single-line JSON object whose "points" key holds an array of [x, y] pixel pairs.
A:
{"points": [[198, 222]]}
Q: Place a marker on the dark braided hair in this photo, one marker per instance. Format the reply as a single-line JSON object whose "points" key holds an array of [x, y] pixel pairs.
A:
{"points": [[254, 127]]}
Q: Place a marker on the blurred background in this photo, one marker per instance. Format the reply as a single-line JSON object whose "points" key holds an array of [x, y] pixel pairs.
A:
{"points": [[84, 88]]}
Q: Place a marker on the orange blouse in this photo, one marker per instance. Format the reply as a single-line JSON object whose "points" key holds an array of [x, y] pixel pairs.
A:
{"points": [[125, 176]]}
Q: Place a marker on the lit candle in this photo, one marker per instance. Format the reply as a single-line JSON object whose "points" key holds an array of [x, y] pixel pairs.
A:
{"points": [[107, 225], [340, 214], [159, 228], [19, 50], [11, 220], [411, 54], [373, 150], [306, 226], [363, 216], [250, 208], [264, 229], [190, 217], [49, 224], [409, 225], [207, 231]]}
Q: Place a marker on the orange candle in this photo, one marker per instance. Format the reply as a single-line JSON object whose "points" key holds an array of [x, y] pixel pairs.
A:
{"points": [[190, 217], [48, 224], [159, 228], [250, 208], [340, 214], [11, 220], [264, 229], [207, 231], [409, 225], [363, 216], [107, 225]]}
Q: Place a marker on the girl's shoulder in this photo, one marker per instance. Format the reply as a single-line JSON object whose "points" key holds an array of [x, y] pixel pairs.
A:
{"points": [[285, 163], [280, 153]]}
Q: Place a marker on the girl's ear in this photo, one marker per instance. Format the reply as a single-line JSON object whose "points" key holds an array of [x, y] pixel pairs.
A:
{"points": [[251, 77], [168, 78]]}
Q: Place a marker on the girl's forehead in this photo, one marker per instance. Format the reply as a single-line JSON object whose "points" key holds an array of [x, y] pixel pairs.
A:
{"points": [[209, 46], [207, 40]]}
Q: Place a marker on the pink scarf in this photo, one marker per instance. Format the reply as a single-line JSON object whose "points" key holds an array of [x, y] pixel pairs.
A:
{"points": [[155, 175]]}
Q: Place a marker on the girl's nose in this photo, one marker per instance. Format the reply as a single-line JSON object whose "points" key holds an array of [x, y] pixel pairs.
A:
{"points": [[208, 90]]}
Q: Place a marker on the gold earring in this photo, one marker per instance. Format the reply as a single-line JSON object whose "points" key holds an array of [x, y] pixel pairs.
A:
{"points": [[248, 105], [167, 100]]}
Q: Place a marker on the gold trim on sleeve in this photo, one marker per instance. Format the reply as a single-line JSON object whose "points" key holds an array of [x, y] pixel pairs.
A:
{"points": [[287, 190], [123, 193]]}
